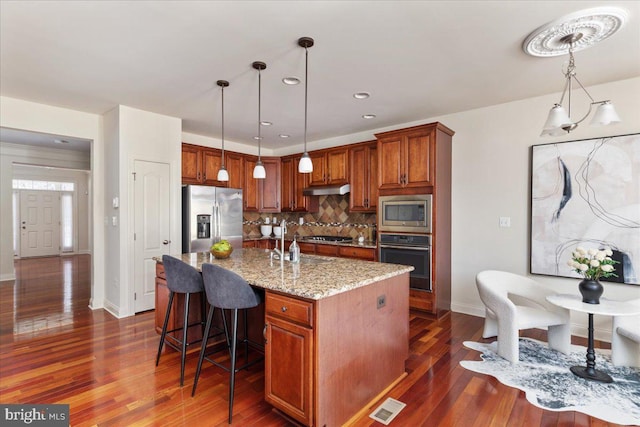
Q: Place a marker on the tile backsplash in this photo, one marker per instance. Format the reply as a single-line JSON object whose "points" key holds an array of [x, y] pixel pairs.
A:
{"points": [[332, 219]]}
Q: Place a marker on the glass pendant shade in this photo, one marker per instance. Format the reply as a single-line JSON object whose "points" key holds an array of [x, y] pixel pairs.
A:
{"points": [[259, 171], [223, 175], [557, 119], [605, 114], [305, 165]]}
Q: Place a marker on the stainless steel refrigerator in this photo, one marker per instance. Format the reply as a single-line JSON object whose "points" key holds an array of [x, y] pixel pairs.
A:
{"points": [[210, 214]]}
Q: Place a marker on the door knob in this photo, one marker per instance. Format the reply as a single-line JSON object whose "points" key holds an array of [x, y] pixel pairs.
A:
{"points": [[166, 242], [24, 228]]}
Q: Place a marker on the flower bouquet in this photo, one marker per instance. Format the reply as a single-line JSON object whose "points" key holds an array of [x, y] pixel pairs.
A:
{"points": [[592, 264]]}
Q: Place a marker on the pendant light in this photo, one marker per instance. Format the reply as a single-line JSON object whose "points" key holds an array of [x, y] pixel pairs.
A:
{"points": [[258, 171], [305, 165], [569, 34], [223, 175]]}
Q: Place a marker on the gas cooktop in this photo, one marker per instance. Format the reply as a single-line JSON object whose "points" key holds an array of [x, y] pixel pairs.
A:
{"points": [[329, 238]]}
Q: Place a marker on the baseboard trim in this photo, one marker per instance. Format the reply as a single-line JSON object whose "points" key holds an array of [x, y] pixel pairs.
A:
{"points": [[7, 277]]}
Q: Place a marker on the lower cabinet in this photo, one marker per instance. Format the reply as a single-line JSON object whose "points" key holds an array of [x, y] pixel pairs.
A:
{"points": [[289, 356]]}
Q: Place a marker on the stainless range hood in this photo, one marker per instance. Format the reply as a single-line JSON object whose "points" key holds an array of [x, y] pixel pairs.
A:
{"points": [[326, 190]]}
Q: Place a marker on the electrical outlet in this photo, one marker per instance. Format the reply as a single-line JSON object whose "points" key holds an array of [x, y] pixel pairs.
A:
{"points": [[505, 221], [382, 301]]}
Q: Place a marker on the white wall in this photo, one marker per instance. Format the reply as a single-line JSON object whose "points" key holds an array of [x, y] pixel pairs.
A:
{"points": [[131, 135], [19, 114]]}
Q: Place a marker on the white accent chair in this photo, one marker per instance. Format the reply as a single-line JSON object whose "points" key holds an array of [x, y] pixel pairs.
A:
{"points": [[625, 340], [515, 302]]}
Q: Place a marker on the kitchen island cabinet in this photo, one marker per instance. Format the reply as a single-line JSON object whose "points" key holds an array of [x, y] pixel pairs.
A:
{"points": [[330, 324]]}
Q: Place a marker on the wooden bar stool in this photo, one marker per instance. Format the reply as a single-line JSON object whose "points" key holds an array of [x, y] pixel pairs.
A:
{"points": [[227, 291], [181, 279]]}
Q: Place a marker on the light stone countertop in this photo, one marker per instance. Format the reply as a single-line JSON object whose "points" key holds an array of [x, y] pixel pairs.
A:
{"points": [[314, 277]]}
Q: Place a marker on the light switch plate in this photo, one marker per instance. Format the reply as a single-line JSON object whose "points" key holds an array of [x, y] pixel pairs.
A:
{"points": [[505, 221]]}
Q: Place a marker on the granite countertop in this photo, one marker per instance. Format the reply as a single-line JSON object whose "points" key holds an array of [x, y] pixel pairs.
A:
{"points": [[314, 277], [369, 244]]}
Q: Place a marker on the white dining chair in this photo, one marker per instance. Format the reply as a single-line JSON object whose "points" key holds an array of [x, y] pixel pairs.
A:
{"points": [[515, 302], [625, 340]]}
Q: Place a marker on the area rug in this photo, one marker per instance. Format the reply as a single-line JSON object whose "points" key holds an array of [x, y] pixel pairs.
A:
{"points": [[543, 374]]}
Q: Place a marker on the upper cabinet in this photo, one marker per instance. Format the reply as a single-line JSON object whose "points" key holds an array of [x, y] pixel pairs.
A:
{"points": [[330, 167], [406, 157], [250, 185], [363, 170], [269, 188], [293, 183], [234, 162], [200, 165]]}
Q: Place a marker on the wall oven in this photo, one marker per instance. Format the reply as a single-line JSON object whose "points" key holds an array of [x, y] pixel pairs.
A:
{"points": [[405, 213], [409, 249]]}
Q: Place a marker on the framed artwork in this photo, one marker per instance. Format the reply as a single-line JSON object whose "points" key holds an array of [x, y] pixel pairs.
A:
{"points": [[586, 193]]}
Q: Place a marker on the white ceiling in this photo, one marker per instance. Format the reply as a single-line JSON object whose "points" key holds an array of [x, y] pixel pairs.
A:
{"points": [[418, 59]]}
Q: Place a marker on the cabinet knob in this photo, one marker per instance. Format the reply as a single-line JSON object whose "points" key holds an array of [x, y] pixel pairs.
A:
{"points": [[166, 242], [284, 308]]}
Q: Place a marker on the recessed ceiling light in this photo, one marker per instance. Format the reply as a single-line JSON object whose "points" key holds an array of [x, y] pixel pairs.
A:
{"points": [[291, 80], [369, 116], [265, 123], [60, 141], [361, 95], [282, 135]]}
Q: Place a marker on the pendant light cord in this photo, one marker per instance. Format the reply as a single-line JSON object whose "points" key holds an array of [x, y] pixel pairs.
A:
{"points": [[223, 127], [306, 85], [259, 118]]}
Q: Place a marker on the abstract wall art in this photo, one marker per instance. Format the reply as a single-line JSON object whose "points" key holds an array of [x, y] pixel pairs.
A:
{"points": [[586, 193]]}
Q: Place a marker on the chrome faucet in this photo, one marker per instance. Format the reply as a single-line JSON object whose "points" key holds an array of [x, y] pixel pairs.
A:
{"points": [[280, 252]]}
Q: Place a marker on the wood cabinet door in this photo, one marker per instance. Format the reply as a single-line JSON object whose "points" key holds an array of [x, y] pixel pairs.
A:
{"points": [[390, 163], [250, 187], [337, 166], [270, 186], [287, 189], [372, 198], [191, 161], [211, 162], [307, 248], [302, 203], [288, 378], [319, 174], [359, 163], [234, 162], [418, 158]]}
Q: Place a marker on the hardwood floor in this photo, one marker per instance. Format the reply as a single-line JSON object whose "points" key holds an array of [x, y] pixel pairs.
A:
{"points": [[54, 349]]}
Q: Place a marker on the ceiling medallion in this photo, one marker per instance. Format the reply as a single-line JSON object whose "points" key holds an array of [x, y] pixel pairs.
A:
{"points": [[593, 26]]}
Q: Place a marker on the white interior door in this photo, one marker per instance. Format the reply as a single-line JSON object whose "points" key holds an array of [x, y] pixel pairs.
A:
{"points": [[151, 227], [39, 223]]}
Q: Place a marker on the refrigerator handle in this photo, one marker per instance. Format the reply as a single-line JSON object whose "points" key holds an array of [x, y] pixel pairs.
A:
{"points": [[216, 222]]}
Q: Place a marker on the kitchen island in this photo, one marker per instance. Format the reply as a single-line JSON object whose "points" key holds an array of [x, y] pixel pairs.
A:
{"points": [[336, 330]]}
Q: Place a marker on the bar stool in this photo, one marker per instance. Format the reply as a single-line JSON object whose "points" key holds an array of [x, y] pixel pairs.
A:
{"points": [[181, 279], [227, 291]]}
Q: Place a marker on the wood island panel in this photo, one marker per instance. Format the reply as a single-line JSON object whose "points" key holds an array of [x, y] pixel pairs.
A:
{"points": [[360, 349]]}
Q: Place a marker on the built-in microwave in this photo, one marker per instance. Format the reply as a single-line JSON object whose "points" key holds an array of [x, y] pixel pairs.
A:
{"points": [[410, 214]]}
